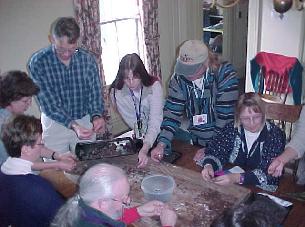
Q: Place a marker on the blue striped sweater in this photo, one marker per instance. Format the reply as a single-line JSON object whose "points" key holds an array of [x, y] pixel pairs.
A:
{"points": [[218, 102]]}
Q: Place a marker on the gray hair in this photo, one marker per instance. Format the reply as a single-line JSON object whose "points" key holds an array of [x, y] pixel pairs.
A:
{"points": [[96, 183], [66, 26]]}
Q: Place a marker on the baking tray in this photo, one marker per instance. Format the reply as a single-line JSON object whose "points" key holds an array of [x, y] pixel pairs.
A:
{"points": [[105, 149]]}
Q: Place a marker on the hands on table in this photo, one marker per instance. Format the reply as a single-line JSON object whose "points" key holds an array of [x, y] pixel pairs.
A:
{"points": [[156, 208]]}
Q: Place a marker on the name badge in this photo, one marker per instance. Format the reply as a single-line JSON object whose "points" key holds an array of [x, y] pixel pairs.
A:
{"points": [[140, 129], [200, 119]]}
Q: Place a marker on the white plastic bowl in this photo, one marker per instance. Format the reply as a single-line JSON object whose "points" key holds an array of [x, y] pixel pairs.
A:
{"points": [[158, 187]]}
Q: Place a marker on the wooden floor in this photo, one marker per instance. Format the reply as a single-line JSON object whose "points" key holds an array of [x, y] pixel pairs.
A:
{"points": [[295, 218]]}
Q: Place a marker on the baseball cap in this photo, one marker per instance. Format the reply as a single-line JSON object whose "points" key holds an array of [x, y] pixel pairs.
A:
{"points": [[193, 52], [192, 55]]}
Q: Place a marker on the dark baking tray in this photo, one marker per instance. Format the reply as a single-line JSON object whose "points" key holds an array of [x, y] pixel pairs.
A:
{"points": [[105, 149]]}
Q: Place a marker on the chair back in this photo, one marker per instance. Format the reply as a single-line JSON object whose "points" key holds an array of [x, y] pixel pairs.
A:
{"points": [[275, 76], [283, 115]]}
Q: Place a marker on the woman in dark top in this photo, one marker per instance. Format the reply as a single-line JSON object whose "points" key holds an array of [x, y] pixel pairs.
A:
{"points": [[249, 142]]}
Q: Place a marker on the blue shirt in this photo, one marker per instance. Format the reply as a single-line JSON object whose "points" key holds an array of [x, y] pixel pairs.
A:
{"points": [[4, 117], [67, 92], [27, 200]]}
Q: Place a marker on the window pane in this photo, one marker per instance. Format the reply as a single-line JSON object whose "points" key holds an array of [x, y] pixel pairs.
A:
{"points": [[118, 39], [116, 9]]}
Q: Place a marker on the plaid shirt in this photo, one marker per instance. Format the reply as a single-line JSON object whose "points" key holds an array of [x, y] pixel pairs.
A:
{"points": [[67, 92]]}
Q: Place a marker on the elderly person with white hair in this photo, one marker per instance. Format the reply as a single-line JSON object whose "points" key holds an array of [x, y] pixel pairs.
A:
{"points": [[102, 200]]}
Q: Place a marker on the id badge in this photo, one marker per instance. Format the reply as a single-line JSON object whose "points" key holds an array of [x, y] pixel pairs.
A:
{"points": [[200, 119], [138, 131]]}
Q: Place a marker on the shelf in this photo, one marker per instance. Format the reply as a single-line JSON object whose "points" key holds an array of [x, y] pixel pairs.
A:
{"points": [[216, 16], [218, 28]]}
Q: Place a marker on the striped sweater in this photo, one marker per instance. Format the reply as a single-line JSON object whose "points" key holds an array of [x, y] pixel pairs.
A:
{"points": [[218, 102]]}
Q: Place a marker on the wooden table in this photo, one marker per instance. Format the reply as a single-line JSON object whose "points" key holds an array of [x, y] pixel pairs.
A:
{"points": [[287, 184], [196, 202]]}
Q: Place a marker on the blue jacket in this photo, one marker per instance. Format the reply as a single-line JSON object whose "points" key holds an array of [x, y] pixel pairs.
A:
{"points": [[230, 146]]}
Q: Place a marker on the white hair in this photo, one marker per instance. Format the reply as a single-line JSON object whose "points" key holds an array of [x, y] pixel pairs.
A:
{"points": [[96, 183]]}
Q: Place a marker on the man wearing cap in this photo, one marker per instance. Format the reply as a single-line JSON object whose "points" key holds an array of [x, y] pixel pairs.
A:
{"points": [[203, 90]]}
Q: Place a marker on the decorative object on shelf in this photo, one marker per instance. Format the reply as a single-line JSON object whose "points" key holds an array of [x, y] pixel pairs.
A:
{"points": [[220, 3], [299, 4]]}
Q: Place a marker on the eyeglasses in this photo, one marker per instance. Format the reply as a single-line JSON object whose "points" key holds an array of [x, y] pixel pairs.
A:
{"points": [[252, 119], [60, 50], [125, 204]]}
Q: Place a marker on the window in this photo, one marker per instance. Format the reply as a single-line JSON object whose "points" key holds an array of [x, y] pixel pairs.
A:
{"points": [[121, 33]]}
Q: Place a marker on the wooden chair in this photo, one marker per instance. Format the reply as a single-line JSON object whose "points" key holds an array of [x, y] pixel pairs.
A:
{"points": [[273, 88], [275, 76], [284, 116]]}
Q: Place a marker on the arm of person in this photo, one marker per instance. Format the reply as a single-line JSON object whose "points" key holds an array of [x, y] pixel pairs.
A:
{"points": [[149, 209], [57, 165], [155, 114], [50, 154], [95, 97], [273, 146], [277, 165], [218, 152], [48, 99], [297, 142], [227, 95], [142, 157], [294, 149], [173, 111]]}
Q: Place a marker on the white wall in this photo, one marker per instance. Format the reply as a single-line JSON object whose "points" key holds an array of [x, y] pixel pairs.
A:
{"points": [[267, 32], [179, 20], [24, 28]]}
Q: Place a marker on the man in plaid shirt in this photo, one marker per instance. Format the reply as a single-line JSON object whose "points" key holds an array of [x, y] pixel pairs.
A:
{"points": [[70, 96]]}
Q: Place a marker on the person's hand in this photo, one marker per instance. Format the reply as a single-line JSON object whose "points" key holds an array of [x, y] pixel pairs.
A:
{"points": [[99, 125], [65, 165], [151, 208], [168, 217], [142, 157], [67, 156], [158, 152], [226, 179], [207, 172], [276, 167], [82, 132], [199, 155]]}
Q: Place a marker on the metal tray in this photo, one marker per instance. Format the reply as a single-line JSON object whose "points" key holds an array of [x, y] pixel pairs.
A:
{"points": [[105, 149]]}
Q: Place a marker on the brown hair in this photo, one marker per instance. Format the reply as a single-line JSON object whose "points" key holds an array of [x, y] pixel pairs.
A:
{"points": [[134, 63], [15, 85], [252, 100], [20, 131]]}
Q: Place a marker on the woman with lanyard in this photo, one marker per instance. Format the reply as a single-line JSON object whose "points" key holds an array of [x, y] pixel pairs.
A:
{"points": [[138, 97], [202, 90], [249, 142]]}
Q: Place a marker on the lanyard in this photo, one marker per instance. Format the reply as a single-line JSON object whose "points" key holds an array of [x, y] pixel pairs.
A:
{"points": [[138, 113], [199, 99]]}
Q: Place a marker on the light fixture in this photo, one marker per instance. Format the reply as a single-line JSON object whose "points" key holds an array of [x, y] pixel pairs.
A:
{"points": [[282, 6]]}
